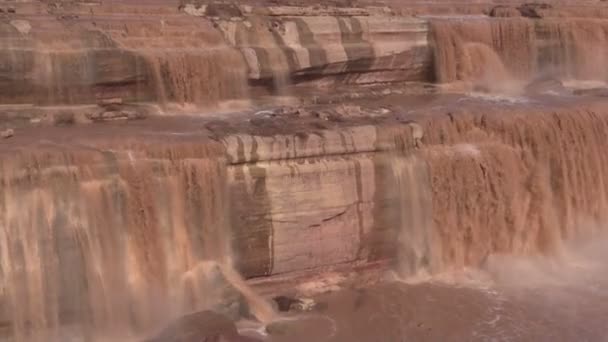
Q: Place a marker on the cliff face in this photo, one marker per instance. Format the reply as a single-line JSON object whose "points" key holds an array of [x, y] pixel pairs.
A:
{"points": [[79, 53], [204, 54], [101, 234], [121, 226]]}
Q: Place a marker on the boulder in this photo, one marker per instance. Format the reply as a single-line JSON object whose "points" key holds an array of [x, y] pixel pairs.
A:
{"points": [[7, 133], [534, 10], [285, 304], [110, 102], [502, 11]]}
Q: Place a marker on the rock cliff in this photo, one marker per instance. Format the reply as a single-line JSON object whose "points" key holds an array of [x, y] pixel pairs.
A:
{"points": [[118, 213]]}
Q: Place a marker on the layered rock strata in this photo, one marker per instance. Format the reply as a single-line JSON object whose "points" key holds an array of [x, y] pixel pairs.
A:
{"points": [[112, 227]]}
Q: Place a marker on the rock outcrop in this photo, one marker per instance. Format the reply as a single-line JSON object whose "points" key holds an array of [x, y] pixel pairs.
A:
{"points": [[125, 225], [76, 53]]}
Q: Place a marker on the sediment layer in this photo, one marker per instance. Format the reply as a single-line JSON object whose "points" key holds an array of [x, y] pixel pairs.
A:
{"points": [[126, 224], [100, 221], [204, 53]]}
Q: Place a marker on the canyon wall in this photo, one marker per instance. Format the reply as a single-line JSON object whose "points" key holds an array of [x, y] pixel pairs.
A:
{"points": [[122, 236], [74, 53], [121, 227], [203, 54]]}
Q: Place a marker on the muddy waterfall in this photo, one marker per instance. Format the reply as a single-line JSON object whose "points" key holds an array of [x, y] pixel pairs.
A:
{"points": [[162, 160]]}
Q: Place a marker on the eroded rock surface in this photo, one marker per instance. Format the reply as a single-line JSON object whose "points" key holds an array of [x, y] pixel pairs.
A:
{"points": [[338, 162]]}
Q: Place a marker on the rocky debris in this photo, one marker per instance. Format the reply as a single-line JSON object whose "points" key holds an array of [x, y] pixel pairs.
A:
{"points": [[304, 11], [275, 116], [7, 133], [349, 110], [277, 26], [529, 10], [204, 326], [534, 10], [193, 9], [289, 111], [502, 11], [322, 115], [223, 11], [116, 109], [600, 92], [116, 115], [333, 113], [285, 304], [110, 102]]}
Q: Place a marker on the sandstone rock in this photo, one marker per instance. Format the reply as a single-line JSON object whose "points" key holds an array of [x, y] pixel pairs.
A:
{"points": [[314, 11], [223, 10], [195, 10], [534, 10], [7, 133], [110, 102], [323, 115], [285, 303], [22, 26], [114, 59], [304, 304], [502, 11], [119, 114]]}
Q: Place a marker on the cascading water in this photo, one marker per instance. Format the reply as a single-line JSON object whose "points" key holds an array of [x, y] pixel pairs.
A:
{"points": [[413, 214], [200, 78], [102, 243], [466, 49], [114, 245], [501, 55], [573, 48], [507, 182]]}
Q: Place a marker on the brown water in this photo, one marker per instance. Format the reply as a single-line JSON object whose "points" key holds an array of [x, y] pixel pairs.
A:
{"points": [[101, 240], [511, 299], [99, 243], [466, 49], [113, 245], [501, 55], [502, 234], [201, 77]]}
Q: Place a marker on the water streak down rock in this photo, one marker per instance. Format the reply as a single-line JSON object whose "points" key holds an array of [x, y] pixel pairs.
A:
{"points": [[108, 240], [498, 51], [112, 231], [102, 238]]}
